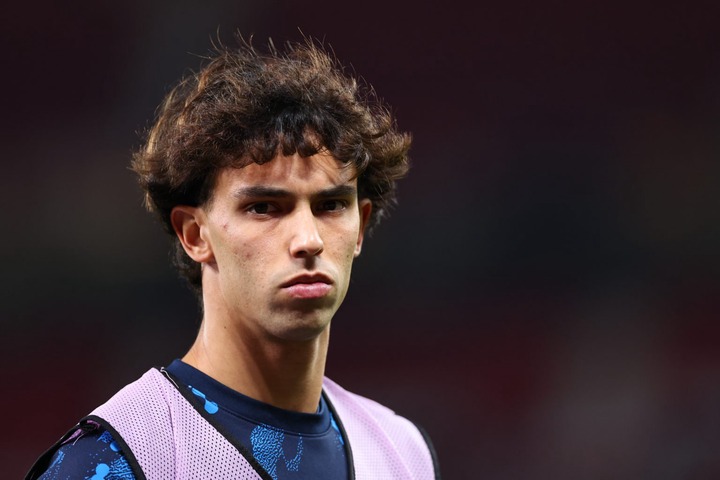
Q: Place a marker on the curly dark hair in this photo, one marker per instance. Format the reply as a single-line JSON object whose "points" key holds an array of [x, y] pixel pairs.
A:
{"points": [[248, 106]]}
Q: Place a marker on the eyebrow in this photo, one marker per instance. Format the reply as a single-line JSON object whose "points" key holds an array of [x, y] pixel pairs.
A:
{"points": [[339, 191], [262, 191]]}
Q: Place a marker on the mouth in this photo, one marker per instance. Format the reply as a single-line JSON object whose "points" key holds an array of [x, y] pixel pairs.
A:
{"points": [[308, 286]]}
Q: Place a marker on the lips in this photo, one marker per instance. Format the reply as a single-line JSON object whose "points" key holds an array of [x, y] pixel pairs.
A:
{"points": [[308, 286]]}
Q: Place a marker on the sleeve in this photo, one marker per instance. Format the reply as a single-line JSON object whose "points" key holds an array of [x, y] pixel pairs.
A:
{"points": [[93, 456]]}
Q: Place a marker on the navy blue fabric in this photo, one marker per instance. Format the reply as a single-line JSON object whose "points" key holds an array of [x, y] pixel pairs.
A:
{"points": [[94, 456], [288, 445]]}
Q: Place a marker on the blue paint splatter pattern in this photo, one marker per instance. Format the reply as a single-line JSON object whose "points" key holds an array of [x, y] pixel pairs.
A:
{"points": [[96, 454], [209, 406], [53, 470], [268, 448]]}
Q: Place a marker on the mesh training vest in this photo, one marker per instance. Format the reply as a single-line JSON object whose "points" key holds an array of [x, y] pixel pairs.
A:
{"points": [[164, 437]]}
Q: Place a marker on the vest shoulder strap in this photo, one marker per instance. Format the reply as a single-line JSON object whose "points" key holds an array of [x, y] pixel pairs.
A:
{"points": [[383, 444]]}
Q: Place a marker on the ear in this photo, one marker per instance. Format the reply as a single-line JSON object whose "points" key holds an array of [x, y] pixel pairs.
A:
{"points": [[189, 226], [365, 208]]}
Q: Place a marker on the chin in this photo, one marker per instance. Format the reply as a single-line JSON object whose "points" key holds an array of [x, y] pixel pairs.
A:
{"points": [[302, 328], [300, 335]]}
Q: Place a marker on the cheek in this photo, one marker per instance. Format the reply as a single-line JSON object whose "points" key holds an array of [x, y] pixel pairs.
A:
{"points": [[244, 257], [251, 252], [346, 249]]}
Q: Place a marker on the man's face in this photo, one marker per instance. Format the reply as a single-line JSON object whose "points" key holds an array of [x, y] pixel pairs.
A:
{"points": [[281, 240]]}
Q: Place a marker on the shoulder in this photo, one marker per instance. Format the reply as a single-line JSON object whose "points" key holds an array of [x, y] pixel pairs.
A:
{"points": [[133, 413], [370, 424], [86, 451], [140, 413], [336, 393], [140, 419], [352, 403], [136, 398]]}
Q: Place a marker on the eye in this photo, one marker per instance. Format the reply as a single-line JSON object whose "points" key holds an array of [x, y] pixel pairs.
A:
{"points": [[262, 208], [332, 205]]}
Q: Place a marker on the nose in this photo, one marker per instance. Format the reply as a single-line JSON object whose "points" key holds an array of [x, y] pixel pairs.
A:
{"points": [[306, 239]]}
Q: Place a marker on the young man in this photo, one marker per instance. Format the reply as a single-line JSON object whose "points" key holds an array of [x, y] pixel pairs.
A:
{"points": [[267, 169]]}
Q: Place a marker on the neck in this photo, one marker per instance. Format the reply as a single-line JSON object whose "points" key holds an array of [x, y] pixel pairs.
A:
{"points": [[285, 374]]}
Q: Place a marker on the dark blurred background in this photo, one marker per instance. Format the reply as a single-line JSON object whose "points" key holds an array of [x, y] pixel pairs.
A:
{"points": [[544, 300]]}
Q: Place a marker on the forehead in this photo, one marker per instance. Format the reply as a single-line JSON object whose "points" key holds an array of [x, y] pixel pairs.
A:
{"points": [[291, 172]]}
